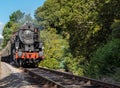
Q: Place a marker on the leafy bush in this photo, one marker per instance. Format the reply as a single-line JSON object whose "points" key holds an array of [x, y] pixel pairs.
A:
{"points": [[51, 63], [73, 66], [116, 29], [105, 60], [7, 33], [55, 47], [116, 75], [57, 53]]}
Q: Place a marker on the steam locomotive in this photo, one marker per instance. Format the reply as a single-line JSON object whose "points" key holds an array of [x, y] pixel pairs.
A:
{"points": [[24, 47]]}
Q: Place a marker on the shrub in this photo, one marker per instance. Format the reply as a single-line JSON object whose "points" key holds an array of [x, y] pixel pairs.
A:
{"points": [[105, 59], [51, 63]]}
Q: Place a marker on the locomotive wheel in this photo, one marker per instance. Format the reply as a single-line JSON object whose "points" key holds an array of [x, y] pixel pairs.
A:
{"points": [[18, 63], [15, 62], [36, 64]]}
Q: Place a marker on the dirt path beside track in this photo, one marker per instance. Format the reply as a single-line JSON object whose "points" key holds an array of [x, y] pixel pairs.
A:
{"points": [[11, 77]]}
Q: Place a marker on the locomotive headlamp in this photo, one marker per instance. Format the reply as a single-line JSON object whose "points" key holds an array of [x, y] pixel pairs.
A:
{"points": [[17, 48], [42, 47], [40, 54], [19, 54]]}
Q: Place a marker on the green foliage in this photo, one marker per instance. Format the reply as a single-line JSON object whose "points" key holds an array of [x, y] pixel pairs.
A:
{"points": [[116, 29], [52, 44], [71, 64], [57, 53], [54, 47], [105, 60], [26, 18], [76, 18], [92, 29], [74, 67], [108, 11], [116, 75], [7, 33], [8, 30], [16, 16], [51, 63]]}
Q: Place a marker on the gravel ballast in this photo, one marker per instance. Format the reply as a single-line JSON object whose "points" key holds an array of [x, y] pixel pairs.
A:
{"points": [[11, 77]]}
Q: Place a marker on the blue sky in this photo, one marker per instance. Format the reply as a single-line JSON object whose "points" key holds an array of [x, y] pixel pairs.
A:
{"points": [[7, 7]]}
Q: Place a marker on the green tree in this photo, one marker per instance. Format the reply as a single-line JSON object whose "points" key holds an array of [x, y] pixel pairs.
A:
{"points": [[7, 33], [105, 61], [26, 19], [86, 24], [54, 48], [16, 16], [12, 25]]}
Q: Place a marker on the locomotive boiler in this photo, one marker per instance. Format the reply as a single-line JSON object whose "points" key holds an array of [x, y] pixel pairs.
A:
{"points": [[26, 46]]}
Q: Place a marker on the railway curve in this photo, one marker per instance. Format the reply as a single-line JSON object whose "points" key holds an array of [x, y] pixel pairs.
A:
{"points": [[58, 79]]}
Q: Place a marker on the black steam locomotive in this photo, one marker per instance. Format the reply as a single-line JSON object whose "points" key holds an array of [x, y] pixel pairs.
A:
{"points": [[25, 46]]}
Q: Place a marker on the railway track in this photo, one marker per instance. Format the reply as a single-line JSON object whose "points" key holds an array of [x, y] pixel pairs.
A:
{"points": [[54, 79]]}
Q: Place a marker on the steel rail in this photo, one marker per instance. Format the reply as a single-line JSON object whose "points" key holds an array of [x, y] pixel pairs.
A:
{"points": [[85, 79], [45, 80]]}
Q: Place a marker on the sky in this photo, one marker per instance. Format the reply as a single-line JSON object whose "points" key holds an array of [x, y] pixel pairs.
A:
{"points": [[7, 7]]}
